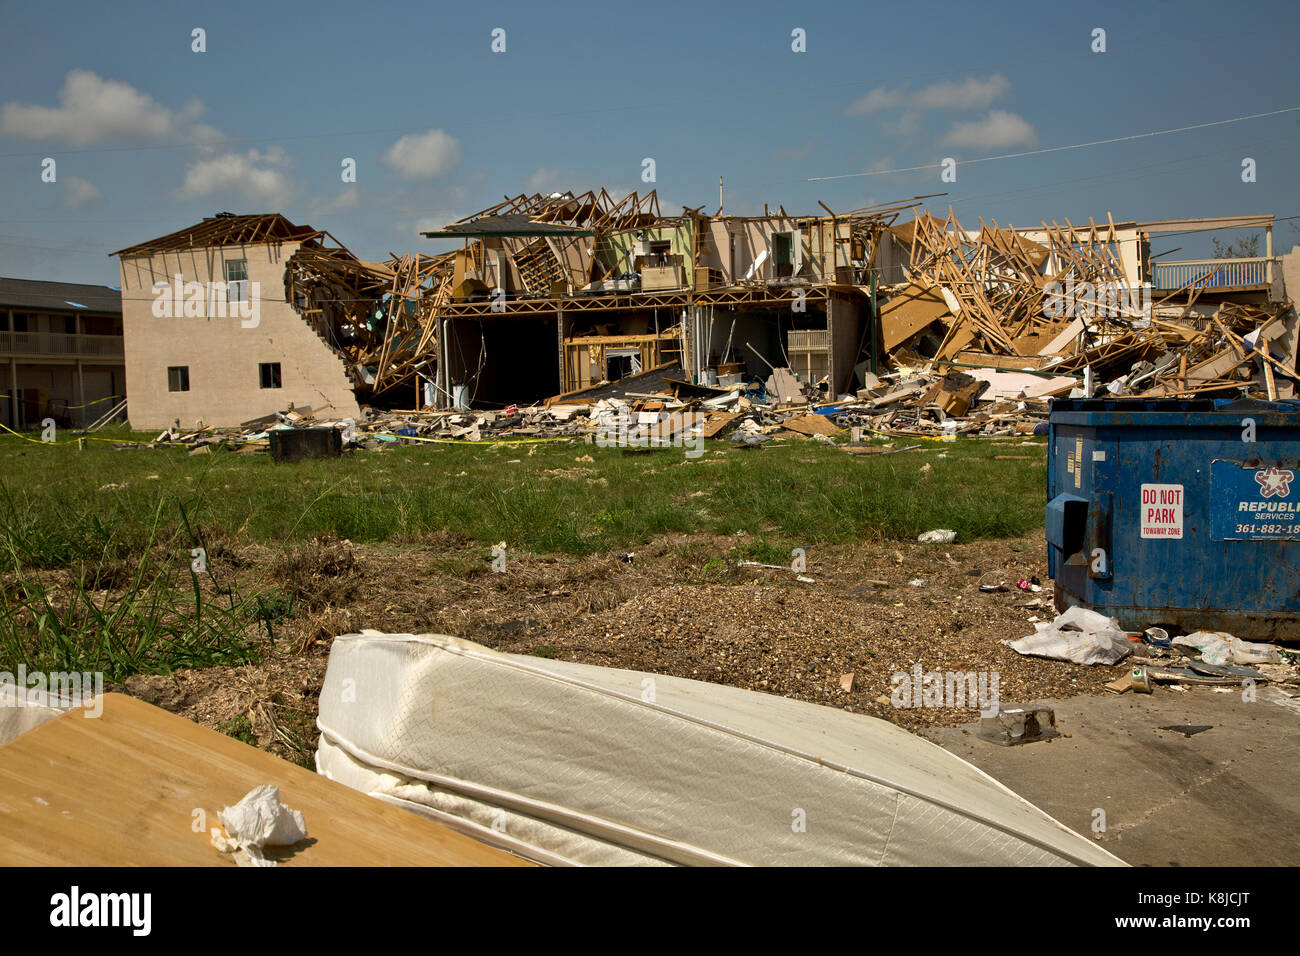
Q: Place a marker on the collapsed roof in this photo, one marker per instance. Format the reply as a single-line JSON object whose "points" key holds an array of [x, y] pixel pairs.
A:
{"points": [[226, 229]]}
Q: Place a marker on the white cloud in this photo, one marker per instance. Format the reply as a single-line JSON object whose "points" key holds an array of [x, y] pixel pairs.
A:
{"points": [[971, 93], [78, 192], [349, 198], [204, 134], [907, 124], [258, 176], [996, 130], [878, 99], [424, 155], [95, 110], [428, 223], [545, 178]]}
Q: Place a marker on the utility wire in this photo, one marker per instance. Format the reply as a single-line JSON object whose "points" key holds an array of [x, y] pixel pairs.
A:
{"points": [[1029, 152]]}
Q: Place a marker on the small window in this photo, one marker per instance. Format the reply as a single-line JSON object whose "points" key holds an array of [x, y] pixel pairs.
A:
{"points": [[178, 378], [269, 372], [236, 280]]}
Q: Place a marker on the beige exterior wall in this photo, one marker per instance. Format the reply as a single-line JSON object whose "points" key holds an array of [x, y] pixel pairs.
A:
{"points": [[223, 357]]}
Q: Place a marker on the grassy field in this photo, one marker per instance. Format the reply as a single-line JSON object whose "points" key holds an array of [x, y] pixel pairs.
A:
{"points": [[100, 547]]}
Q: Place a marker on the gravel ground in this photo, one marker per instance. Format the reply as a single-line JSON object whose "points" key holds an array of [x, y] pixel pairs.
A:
{"points": [[678, 606]]}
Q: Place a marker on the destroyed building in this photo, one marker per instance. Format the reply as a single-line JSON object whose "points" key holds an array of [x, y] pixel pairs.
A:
{"points": [[209, 334], [551, 294], [558, 297], [615, 288], [1077, 304]]}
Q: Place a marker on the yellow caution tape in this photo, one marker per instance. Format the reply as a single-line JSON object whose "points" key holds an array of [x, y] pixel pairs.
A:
{"points": [[876, 431], [87, 405], [116, 441], [96, 401]]}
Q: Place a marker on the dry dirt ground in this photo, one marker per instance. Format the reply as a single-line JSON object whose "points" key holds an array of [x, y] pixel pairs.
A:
{"points": [[679, 606]]}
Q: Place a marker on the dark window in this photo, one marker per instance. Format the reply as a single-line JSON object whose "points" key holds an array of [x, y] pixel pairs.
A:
{"points": [[20, 321], [269, 372], [178, 378]]}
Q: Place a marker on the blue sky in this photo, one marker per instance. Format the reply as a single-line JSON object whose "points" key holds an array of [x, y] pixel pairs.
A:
{"points": [[149, 136]]}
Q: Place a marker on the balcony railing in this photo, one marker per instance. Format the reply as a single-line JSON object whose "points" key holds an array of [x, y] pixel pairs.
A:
{"points": [[1222, 273], [60, 344]]}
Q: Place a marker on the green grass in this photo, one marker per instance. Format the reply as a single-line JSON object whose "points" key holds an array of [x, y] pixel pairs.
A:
{"points": [[96, 543], [63, 505], [239, 727]]}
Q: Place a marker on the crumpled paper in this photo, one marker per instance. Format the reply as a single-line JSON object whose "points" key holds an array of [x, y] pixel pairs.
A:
{"points": [[257, 821]]}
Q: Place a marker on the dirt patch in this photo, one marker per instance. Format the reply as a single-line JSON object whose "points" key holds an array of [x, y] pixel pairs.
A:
{"points": [[678, 606]]}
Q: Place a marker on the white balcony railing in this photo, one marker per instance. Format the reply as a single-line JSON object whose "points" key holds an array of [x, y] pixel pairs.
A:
{"points": [[60, 344], [1221, 273]]}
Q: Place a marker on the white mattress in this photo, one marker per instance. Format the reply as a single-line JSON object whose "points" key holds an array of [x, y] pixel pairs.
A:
{"points": [[574, 764], [19, 714]]}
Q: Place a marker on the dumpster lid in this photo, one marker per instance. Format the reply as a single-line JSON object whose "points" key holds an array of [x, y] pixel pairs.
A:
{"points": [[1130, 405], [1172, 412]]}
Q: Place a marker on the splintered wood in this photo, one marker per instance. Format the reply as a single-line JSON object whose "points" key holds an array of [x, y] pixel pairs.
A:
{"points": [[1060, 300]]}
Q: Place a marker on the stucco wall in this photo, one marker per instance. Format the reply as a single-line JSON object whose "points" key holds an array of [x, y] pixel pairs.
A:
{"points": [[222, 355]]}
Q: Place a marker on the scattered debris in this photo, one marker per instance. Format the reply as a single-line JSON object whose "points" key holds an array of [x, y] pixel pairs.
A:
{"points": [[938, 536], [1189, 730], [1078, 635], [1018, 725], [1216, 647]]}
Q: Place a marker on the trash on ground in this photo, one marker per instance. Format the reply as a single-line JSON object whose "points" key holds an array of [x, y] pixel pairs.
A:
{"points": [[1018, 725], [1217, 647], [257, 821], [940, 536], [1078, 635], [1189, 730]]}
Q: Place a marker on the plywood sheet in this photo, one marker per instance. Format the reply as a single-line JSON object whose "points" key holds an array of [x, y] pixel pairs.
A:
{"points": [[812, 425], [908, 312], [121, 789]]}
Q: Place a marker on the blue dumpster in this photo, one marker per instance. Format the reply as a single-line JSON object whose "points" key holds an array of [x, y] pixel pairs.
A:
{"points": [[1177, 513]]}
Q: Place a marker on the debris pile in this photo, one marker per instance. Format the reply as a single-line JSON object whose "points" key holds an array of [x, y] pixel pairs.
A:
{"points": [[1034, 320], [1202, 658]]}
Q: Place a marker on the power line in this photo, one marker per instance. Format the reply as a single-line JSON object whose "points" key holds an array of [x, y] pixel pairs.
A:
{"points": [[1031, 152], [1030, 192]]}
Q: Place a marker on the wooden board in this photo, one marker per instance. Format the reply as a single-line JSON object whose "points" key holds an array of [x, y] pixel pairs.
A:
{"points": [[121, 790], [908, 312], [812, 425], [717, 423]]}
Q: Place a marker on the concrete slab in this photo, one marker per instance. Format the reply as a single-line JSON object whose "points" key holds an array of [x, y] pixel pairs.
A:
{"points": [[1226, 796]]}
